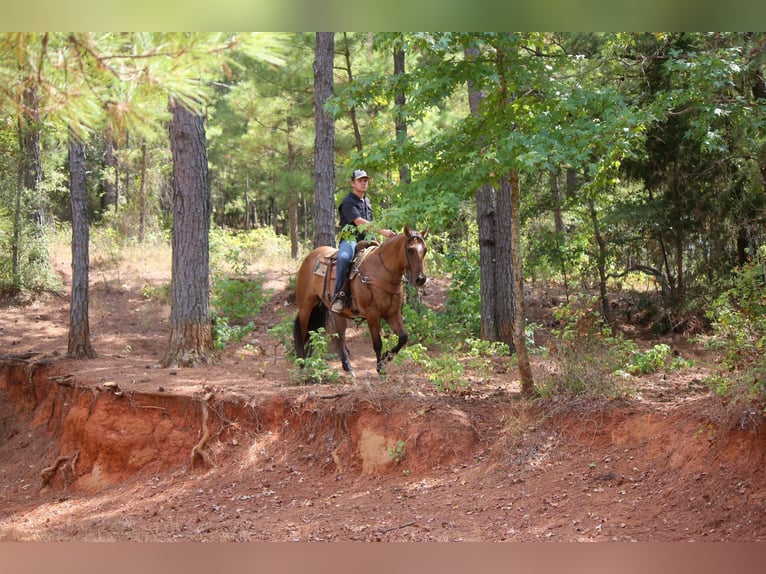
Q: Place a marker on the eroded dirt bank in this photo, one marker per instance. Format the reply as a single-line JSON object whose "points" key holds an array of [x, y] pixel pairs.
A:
{"points": [[94, 461]]}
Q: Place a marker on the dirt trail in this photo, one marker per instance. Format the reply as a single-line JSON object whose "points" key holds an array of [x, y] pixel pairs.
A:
{"points": [[117, 449]]}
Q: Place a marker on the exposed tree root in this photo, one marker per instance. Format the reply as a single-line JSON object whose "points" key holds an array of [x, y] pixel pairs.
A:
{"points": [[197, 452], [49, 472]]}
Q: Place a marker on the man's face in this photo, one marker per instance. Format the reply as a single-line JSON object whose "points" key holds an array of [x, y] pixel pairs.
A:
{"points": [[360, 184]]}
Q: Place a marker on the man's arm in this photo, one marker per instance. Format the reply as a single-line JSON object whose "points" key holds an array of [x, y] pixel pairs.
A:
{"points": [[359, 221]]}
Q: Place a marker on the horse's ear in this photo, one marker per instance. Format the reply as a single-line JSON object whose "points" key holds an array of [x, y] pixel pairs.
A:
{"points": [[425, 232], [406, 230]]}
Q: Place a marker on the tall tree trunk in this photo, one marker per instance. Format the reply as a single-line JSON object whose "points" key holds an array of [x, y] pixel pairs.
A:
{"points": [[79, 325], [33, 174], [399, 115], [352, 112], [600, 262], [109, 199], [142, 198], [191, 337], [505, 303], [558, 222], [324, 142], [485, 218], [519, 319], [123, 161], [293, 206], [29, 176]]}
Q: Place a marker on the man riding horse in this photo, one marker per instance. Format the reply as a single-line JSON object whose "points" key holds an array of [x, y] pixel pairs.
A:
{"points": [[355, 211]]}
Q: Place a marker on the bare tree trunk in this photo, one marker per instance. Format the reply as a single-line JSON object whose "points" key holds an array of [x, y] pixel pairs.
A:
{"points": [[354, 122], [485, 217], [293, 206], [142, 215], [600, 262], [79, 325], [505, 303], [519, 319], [109, 199], [324, 142], [191, 337], [33, 174], [29, 176], [400, 118]]}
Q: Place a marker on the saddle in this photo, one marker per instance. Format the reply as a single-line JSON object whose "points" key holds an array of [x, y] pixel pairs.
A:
{"points": [[326, 267]]}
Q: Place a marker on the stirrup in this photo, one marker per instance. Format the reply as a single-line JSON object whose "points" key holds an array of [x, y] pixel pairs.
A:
{"points": [[338, 302]]}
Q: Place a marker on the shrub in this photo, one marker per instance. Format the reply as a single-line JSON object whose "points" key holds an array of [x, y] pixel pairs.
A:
{"points": [[315, 369], [738, 318], [588, 360]]}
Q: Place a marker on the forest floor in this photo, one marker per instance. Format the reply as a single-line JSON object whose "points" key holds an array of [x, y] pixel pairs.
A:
{"points": [[117, 449]]}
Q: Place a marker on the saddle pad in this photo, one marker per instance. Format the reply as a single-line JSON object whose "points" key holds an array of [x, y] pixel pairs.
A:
{"points": [[320, 268]]}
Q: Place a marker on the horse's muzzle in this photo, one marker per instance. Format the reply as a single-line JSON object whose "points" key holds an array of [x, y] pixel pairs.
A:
{"points": [[420, 280]]}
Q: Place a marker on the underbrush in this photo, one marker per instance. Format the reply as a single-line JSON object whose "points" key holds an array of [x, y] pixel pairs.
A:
{"points": [[590, 364], [738, 318]]}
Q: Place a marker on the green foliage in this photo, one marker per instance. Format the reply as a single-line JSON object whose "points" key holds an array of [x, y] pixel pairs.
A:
{"points": [[34, 270], [315, 369], [239, 299], [398, 452], [588, 359], [283, 334], [444, 371], [224, 333], [738, 318], [656, 359]]}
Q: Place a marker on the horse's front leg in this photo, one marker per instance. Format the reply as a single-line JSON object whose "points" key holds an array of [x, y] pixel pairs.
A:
{"points": [[397, 325], [377, 342]]}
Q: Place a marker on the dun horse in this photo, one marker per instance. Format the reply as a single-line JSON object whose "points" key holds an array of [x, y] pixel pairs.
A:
{"points": [[376, 290]]}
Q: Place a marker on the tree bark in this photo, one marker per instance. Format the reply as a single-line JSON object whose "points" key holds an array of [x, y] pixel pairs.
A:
{"points": [[505, 297], [485, 218], [191, 338], [142, 198], [400, 118], [519, 319], [600, 263], [79, 345], [109, 198], [324, 141], [352, 111], [293, 205]]}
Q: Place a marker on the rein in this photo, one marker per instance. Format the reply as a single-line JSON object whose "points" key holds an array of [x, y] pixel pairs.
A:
{"points": [[388, 286]]}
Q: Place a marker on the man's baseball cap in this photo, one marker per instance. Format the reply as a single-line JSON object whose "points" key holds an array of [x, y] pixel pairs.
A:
{"points": [[359, 173]]}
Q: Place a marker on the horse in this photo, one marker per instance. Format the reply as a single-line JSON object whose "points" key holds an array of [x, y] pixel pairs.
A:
{"points": [[376, 287]]}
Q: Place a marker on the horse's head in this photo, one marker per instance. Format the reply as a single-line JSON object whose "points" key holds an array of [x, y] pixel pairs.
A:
{"points": [[415, 248]]}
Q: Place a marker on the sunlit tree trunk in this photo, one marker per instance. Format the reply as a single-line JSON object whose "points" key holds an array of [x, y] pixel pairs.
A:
{"points": [[401, 119], [109, 199], [352, 111], [519, 318], [191, 338], [485, 218], [324, 142], [79, 325], [142, 198]]}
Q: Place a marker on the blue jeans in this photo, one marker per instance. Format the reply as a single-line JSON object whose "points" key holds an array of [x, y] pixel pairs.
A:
{"points": [[345, 255]]}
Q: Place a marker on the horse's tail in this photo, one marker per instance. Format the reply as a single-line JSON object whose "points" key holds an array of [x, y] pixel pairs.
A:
{"points": [[317, 319]]}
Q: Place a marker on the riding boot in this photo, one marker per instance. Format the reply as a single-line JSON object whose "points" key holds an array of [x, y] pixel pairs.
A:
{"points": [[340, 299]]}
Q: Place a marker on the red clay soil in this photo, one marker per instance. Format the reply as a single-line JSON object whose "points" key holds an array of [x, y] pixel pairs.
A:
{"points": [[116, 448]]}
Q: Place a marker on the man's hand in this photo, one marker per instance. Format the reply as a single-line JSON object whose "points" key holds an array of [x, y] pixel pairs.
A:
{"points": [[387, 232]]}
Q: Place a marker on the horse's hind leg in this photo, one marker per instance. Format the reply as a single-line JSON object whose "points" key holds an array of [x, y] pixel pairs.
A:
{"points": [[340, 332]]}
